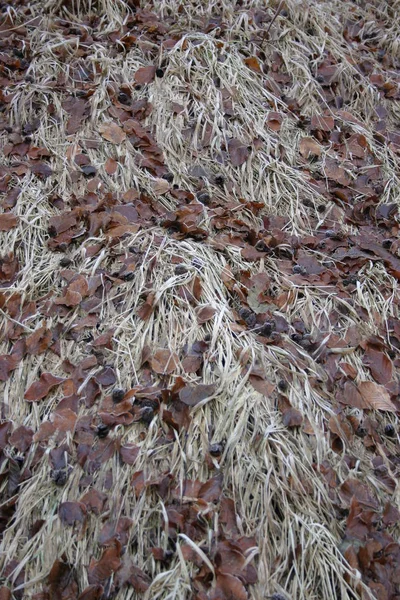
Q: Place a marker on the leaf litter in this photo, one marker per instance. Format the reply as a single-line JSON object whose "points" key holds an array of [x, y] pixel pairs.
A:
{"points": [[199, 275]]}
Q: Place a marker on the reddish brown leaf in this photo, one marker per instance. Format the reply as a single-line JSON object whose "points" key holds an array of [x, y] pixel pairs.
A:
{"points": [[5, 430], [274, 120], [253, 64], [21, 438], [61, 223], [230, 587], [139, 580], [322, 122], [71, 513], [211, 490], [40, 389], [94, 501], [145, 74], [9, 266], [8, 221], [5, 593], [309, 147], [375, 396], [147, 307], [193, 394], [204, 314], [100, 570], [129, 453], [111, 166], [62, 577], [291, 417], [238, 152], [115, 530], [164, 361], [112, 132], [379, 364], [38, 341], [92, 592]]}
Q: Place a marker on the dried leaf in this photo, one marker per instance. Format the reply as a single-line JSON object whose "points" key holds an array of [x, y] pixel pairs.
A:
{"points": [[111, 166], [38, 341], [160, 186], [309, 147], [274, 120], [71, 513], [100, 570], [253, 64], [129, 453], [40, 389], [204, 314], [145, 74], [322, 122], [164, 361], [230, 587], [7, 221], [379, 364], [193, 394], [238, 152], [92, 592], [291, 417], [375, 396], [112, 132], [211, 490]]}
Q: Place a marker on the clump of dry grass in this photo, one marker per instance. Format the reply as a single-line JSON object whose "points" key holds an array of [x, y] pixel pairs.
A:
{"points": [[271, 472]]}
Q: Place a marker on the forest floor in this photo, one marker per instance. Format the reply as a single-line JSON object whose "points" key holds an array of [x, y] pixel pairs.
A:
{"points": [[199, 299]]}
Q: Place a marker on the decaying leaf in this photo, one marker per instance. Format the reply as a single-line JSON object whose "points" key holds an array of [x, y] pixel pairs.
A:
{"points": [[164, 361], [193, 394], [145, 74], [112, 133], [39, 389]]}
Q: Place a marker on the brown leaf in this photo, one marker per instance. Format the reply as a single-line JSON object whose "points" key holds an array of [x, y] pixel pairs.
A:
{"points": [[375, 396], [379, 364], [115, 530], [138, 579], [40, 389], [38, 341], [230, 587], [71, 513], [111, 166], [70, 299], [112, 132], [100, 570], [309, 147], [253, 64], [21, 438], [61, 223], [9, 266], [160, 186], [322, 122], [193, 394], [129, 453], [204, 314], [92, 592], [147, 307], [5, 429], [5, 593], [8, 221], [145, 74], [238, 152], [211, 490], [62, 577], [291, 417], [274, 120], [94, 501], [164, 361]]}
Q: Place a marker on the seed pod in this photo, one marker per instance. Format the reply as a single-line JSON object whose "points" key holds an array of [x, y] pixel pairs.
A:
{"points": [[102, 430], [118, 395], [390, 430], [216, 449], [147, 414]]}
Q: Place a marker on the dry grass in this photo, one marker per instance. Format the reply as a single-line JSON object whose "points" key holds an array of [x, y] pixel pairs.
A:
{"points": [[268, 470]]}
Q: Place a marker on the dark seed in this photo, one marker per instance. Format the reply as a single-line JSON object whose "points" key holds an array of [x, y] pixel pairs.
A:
{"points": [[123, 98], [147, 414], [220, 180], [390, 430], [59, 476], [168, 177], [320, 78], [65, 262], [89, 171], [118, 395], [102, 430], [129, 276], [160, 73], [180, 270], [299, 269], [267, 329], [203, 197], [138, 87], [321, 208], [387, 244], [361, 431], [296, 337], [261, 246], [277, 597], [282, 385], [216, 449]]}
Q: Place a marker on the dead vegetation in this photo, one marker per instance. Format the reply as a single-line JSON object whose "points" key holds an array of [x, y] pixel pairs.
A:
{"points": [[199, 300]]}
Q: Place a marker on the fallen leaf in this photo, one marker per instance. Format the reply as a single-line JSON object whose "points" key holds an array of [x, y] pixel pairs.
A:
{"points": [[145, 74], [92, 592], [160, 186], [164, 361], [379, 364], [375, 396], [129, 453], [71, 513], [211, 490], [274, 120], [40, 389], [230, 587], [109, 562], [193, 394], [7, 221], [111, 166], [253, 64], [204, 314], [309, 147], [322, 122], [38, 341], [112, 132], [94, 501], [291, 417], [238, 152]]}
